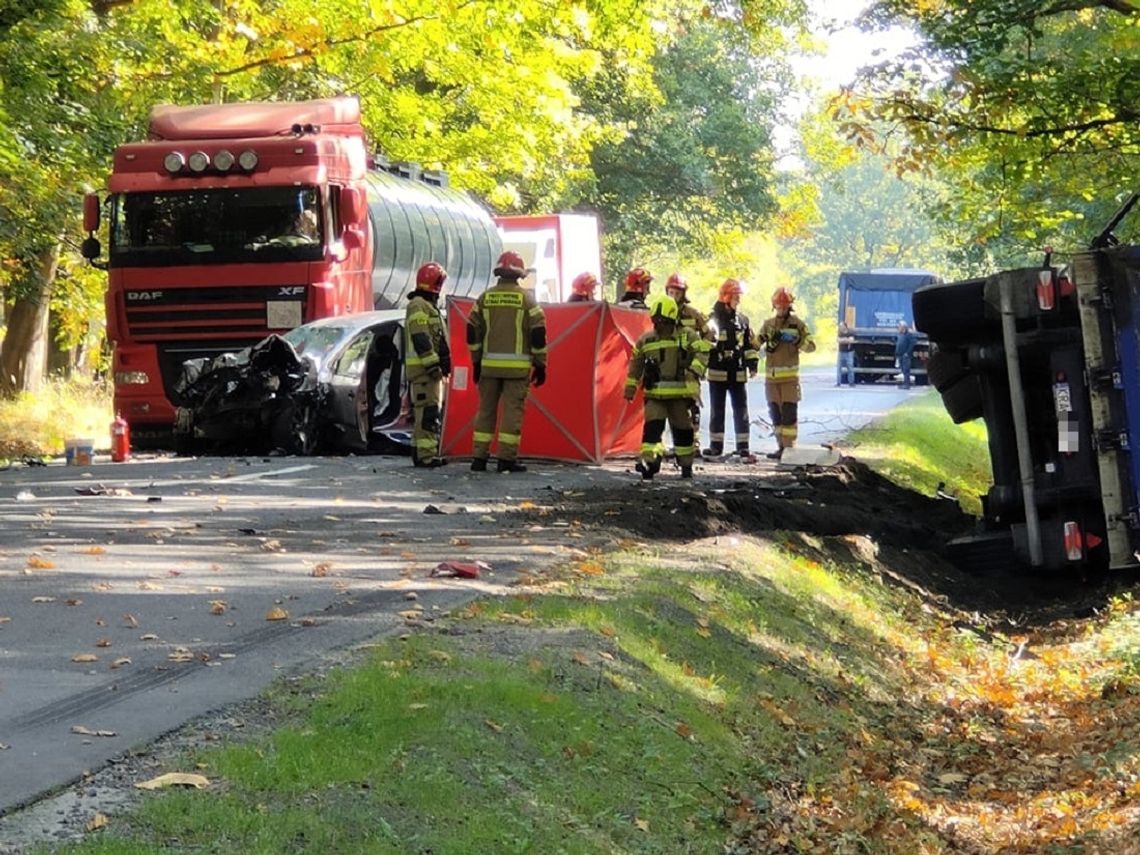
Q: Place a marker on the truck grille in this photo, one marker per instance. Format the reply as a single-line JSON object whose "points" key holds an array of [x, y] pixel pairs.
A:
{"points": [[237, 313]]}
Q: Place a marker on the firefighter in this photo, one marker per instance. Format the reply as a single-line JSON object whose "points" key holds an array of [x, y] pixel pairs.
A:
{"points": [[636, 288], [427, 360], [506, 334], [583, 288], [691, 319], [734, 359], [784, 337], [668, 363]]}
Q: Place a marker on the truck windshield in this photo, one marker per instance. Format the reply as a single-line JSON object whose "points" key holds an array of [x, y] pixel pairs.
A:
{"points": [[216, 226]]}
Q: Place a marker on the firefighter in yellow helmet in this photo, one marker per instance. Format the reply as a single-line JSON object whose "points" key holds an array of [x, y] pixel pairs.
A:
{"points": [[668, 363], [784, 337], [427, 361], [506, 334]]}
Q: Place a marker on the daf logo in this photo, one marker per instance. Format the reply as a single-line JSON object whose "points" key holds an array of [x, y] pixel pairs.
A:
{"points": [[291, 291], [143, 296]]}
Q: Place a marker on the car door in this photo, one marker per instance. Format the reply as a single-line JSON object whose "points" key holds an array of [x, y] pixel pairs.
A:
{"points": [[348, 399]]}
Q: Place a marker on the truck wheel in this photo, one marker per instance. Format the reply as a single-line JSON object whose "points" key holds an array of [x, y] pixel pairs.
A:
{"points": [[946, 367], [988, 554], [963, 400], [952, 313]]}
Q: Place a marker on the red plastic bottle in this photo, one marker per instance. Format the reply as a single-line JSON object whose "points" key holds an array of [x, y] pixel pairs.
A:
{"points": [[120, 439]]}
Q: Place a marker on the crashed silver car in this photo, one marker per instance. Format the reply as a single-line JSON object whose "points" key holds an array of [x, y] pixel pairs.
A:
{"points": [[332, 385]]}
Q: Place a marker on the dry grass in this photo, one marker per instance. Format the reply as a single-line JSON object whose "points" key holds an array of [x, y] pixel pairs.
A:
{"points": [[40, 424]]}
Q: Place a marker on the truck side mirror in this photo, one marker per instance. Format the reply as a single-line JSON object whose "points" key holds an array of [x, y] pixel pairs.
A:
{"points": [[91, 212], [351, 206]]}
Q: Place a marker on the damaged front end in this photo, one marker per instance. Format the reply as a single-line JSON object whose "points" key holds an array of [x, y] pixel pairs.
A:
{"points": [[261, 399]]}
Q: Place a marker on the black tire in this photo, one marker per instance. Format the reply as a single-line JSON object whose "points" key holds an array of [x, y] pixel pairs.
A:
{"points": [[963, 400], [946, 367], [988, 554], [952, 313]]}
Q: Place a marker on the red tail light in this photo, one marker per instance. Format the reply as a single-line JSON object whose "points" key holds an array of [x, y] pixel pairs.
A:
{"points": [[1074, 550]]}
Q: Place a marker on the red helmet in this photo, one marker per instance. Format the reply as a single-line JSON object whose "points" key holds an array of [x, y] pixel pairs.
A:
{"points": [[782, 298], [676, 280], [637, 280], [510, 263], [431, 277], [729, 288], [585, 284]]}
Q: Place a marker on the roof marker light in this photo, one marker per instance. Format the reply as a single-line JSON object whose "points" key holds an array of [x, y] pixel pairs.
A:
{"points": [[174, 162], [224, 160], [198, 161], [247, 160]]}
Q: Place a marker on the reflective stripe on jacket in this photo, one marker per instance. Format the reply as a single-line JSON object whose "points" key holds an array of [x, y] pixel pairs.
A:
{"points": [[424, 338], [506, 331], [783, 340], [668, 366], [734, 349]]}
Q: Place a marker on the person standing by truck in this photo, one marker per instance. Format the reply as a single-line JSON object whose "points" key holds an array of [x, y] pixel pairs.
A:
{"points": [[427, 360], [693, 320], [784, 337], [733, 360], [506, 334], [636, 289], [846, 364], [583, 289], [904, 353]]}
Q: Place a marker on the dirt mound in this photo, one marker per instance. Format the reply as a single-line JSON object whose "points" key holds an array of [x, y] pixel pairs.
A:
{"points": [[846, 504]]}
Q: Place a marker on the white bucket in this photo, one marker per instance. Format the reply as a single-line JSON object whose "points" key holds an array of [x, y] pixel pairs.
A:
{"points": [[78, 452]]}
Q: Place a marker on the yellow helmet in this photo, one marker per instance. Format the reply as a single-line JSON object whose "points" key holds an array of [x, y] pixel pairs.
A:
{"points": [[663, 307]]}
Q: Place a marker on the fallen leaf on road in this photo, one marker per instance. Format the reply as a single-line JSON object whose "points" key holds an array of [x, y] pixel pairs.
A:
{"points": [[94, 550], [5, 619], [175, 779], [411, 614], [84, 657], [272, 546], [103, 642], [43, 599], [321, 570], [150, 636], [121, 661], [37, 563], [73, 601], [86, 731], [181, 654], [217, 607], [277, 613], [96, 822], [130, 621], [4, 746]]}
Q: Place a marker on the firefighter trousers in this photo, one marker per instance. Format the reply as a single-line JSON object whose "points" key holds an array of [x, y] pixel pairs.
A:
{"points": [[675, 411], [427, 395], [783, 407], [511, 392], [737, 393]]}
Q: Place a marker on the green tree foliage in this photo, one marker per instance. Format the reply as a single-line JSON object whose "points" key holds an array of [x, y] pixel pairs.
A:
{"points": [[1028, 108], [696, 156]]}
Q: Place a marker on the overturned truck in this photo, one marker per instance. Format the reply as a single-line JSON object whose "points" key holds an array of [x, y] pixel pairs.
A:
{"points": [[1049, 357]]}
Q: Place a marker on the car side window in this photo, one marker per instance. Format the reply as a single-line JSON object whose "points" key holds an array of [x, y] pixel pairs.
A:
{"points": [[351, 362]]}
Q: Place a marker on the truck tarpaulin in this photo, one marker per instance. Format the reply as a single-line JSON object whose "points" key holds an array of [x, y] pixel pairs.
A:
{"points": [[579, 413]]}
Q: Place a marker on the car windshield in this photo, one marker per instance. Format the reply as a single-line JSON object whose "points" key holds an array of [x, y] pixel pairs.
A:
{"points": [[216, 226], [315, 341]]}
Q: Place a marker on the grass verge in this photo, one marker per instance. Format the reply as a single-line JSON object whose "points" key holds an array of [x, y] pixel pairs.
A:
{"points": [[40, 424]]}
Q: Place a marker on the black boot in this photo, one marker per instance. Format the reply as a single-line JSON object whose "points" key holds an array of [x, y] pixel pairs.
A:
{"points": [[775, 455], [686, 471], [479, 464], [434, 463], [713, 451], [511, 466], [646, 472]]}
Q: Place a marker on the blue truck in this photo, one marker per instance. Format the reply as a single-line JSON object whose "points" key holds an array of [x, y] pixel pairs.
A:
{"points": [[1049, 357], [872, 303]]}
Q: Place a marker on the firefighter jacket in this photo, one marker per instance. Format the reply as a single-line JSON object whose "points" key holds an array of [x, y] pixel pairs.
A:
{"points": [[632, 300], [734, 348], [783, 340], [667, 366], [692, 319], [425, 340], [506, 331]]}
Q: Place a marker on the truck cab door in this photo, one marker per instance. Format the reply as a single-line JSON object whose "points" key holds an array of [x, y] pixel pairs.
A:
{"points": [[349, 389]]}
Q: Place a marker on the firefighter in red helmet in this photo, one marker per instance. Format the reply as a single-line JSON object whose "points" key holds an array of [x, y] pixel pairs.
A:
{"points": [[693, 320], [583, 288], [734, 359], [506, 334], [636, 289], [427, 360], [784, 336]]}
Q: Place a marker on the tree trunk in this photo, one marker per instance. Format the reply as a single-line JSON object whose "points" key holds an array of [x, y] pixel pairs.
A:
{"points": [[23, 355]]}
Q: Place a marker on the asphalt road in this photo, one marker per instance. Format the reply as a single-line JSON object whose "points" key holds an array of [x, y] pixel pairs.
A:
{"points": [[135, 597]]}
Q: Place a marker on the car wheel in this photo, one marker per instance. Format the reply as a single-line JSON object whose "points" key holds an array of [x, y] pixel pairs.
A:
{"points": [[952, 313]]}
